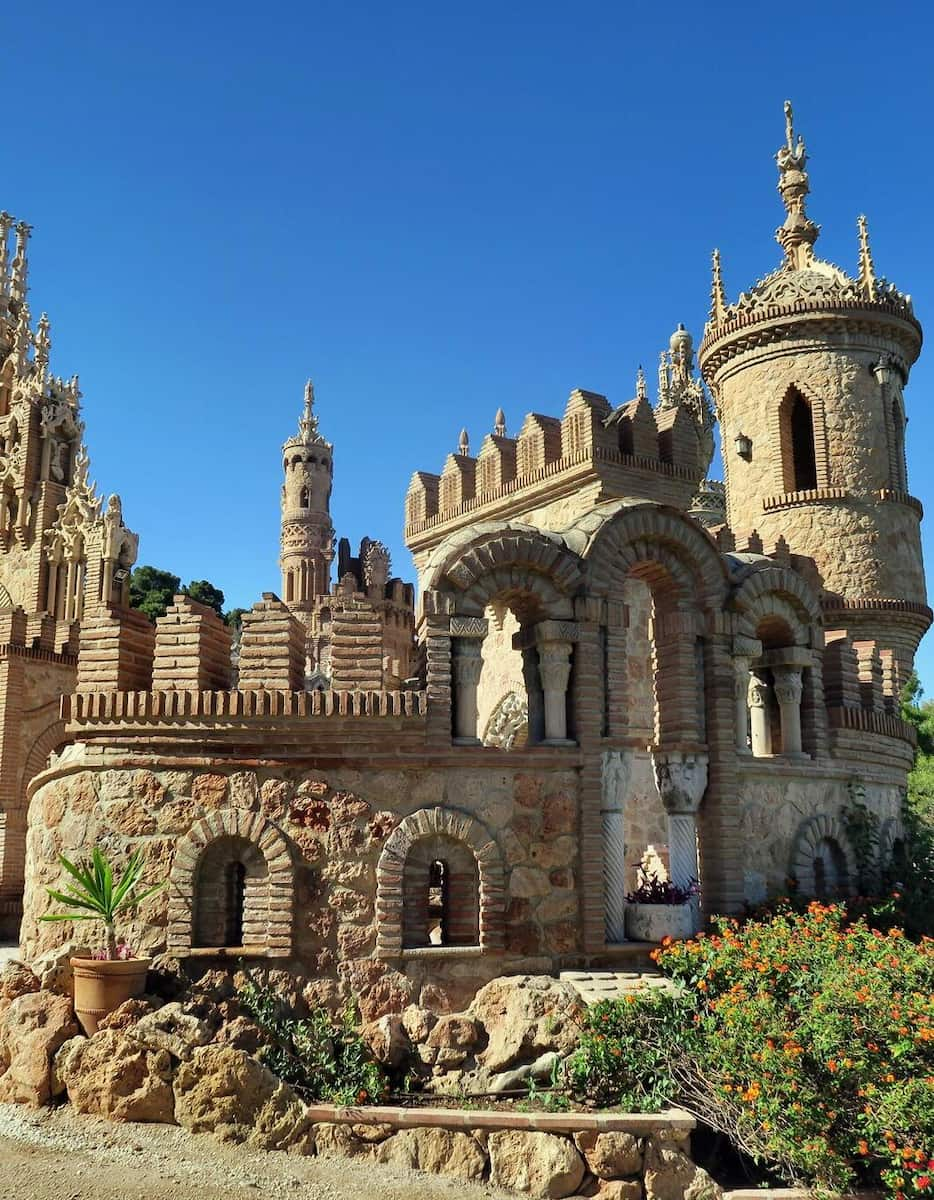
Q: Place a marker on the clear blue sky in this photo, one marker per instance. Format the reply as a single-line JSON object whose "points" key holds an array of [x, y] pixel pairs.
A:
{"points": [[433, 210]]}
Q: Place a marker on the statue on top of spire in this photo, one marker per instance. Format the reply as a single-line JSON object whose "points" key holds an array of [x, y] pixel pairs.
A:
{"points": [[797, 234], [308, 425]]}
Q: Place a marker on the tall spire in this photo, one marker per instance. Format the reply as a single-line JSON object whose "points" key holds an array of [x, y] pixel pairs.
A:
{"points": [[6, 224], [797, 234], [308, 425], [717, 294], [463, 443], [43, 342], [867, 268], [20, 262], [499, 423]]}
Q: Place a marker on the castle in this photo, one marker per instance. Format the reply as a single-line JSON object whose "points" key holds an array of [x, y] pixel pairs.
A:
{"points": [[611, 657]]}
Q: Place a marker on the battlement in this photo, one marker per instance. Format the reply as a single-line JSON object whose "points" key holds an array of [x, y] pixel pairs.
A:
{"points": [[632, 450], [37, 634]]}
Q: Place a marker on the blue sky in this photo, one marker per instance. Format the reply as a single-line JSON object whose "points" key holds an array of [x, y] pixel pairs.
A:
{"points": [[431, 209]]}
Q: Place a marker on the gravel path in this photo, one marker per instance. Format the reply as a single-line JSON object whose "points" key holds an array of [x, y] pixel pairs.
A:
{"points": [[52, 1154]]}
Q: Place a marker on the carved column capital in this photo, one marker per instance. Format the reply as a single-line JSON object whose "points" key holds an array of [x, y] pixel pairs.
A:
{"points": [[758, 696], [468, 660], [789, 686], [681, 779], [554, 665]]}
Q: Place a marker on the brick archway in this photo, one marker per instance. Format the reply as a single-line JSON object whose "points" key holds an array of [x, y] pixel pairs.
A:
{"points": [[821, 831], [460, 828], [262, 836]]}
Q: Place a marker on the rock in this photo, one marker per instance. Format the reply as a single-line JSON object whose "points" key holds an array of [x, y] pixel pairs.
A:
{"points": [[387, 1040], [32, 1029], [166, 977], [613, 1189], [455, 1032], [437, 1151], [16, 979], [610, 1155], [540, 1070], [62, 1063], [173, 1029], [528, 882], [539, 1164], [126, 1015], [418, 1023], [671, 1175], [373, 1133], [53, 969], [241, 1034], [226, 1092], [111, 1075], [525, 1016], [339, 1141]]}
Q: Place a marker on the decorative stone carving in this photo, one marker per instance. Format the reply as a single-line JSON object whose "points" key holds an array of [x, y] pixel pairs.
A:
{"points": [[681, 779], [789, 689], [467, 662]]}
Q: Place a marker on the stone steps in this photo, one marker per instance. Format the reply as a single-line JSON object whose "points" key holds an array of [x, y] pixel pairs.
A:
{"points": [[595, 985]]}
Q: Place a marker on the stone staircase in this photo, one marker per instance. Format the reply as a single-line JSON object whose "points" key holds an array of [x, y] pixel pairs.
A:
{"points": [[594, 985]]}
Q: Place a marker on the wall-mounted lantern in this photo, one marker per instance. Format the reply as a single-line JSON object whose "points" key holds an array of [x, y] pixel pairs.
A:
{"points": [[883, 370], [743, 446]]}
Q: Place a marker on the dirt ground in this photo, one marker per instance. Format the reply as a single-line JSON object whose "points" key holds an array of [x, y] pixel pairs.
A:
{"points": [[56, 1155]]}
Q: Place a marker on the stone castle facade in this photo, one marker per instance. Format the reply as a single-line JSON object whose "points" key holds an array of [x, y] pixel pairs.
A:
{"points": [[612, 658]]}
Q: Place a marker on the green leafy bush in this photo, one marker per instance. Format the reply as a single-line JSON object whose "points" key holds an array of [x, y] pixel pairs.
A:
{"points": [[811, 1046], [623, 1058], [321, 1058]]}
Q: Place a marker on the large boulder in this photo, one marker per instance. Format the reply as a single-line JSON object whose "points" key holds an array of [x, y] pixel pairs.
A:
{"points": [[173, 1029], [224, 1091], [112, 1075], [610, 1155], [538, 1164], [31, 1030], [437, 1151], [525, 1016], [54, 970], [671, 1175], [16, 979], [387, 1040]]}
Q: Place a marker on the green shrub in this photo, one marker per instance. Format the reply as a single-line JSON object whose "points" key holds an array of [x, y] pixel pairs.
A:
{"points": [[812, 1046], [321, 1058], [624, 1054]]}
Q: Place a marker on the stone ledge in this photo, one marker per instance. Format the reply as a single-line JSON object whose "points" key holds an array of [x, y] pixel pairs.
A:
{"points": [[674, 1119]]}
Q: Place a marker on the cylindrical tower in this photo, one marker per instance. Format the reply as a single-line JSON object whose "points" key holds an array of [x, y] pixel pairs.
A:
{"points": [[307, 539], [807, 370]]}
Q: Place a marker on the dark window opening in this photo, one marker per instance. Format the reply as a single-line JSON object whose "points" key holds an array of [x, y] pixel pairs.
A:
{"points": [[303, 498], [235, 886], [437, 903], [802, 446]]}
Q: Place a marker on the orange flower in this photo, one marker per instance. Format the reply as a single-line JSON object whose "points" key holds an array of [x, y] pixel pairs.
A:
{"points": [[863, 1146]]}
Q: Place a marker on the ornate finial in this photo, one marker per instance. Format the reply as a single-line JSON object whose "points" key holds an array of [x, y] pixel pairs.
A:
{"points": [[43, 345], [463, 445], [20, 262], [499, 423], [867, 268], [798, 234], [717, 293], [22, 341], [308, 425], [642, 392]]}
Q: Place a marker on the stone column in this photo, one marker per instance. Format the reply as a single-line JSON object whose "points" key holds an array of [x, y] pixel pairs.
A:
{"points": [[741, 666], [681, 779], [615, 785], [467, 634], [788, 691], [758, 700], [554, 668]]}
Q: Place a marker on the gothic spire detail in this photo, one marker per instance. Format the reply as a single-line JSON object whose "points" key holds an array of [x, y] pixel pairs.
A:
{"points": [[499, 423], [308, 424], [717, 292], [798, 233], [463, 444], [867, 268], [43, 341], [6, 224], [642, 392], [20, 262]]}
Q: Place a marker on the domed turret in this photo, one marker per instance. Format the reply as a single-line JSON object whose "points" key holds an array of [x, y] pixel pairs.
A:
{"points": [[807, 369]]}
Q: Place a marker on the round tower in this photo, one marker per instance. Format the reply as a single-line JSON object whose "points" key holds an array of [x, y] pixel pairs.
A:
{"points": [[807, 370], [307, 539]]}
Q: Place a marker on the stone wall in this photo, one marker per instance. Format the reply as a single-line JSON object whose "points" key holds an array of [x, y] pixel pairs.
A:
{"points": [[336, 824]]}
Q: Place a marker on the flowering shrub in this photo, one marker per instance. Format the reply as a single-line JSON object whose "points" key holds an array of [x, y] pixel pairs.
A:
{"points": [[623, 1055], [653, 890], [122, 953], [812, 1046]]}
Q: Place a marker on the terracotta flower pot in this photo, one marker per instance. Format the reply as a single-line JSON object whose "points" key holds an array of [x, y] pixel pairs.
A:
{"points": [[652, 922], [100, 987]]}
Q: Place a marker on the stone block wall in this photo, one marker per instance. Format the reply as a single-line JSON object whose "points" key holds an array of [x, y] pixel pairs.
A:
{"points": [[192, 649]]}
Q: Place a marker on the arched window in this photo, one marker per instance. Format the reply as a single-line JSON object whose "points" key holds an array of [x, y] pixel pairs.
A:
{"points": [[441, 894], [804, 460], [303, 497], [830, 869], [230, 901]]}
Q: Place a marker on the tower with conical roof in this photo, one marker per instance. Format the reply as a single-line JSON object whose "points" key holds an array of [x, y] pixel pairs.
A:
{"points": [[307, 538], [807, 370]]}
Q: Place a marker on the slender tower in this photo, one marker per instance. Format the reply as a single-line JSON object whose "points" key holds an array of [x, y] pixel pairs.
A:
{"points": [[807, 369], [307, 538]]}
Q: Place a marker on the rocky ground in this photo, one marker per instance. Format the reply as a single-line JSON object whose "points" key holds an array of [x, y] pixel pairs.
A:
{"points": [[52, 1154]]}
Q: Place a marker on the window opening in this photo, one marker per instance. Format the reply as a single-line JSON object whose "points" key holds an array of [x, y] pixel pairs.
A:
{"points": [[802, 446]]}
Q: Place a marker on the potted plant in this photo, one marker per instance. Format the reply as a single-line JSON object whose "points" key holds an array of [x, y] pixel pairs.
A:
{"points": [[113, 974], [659, 908]]}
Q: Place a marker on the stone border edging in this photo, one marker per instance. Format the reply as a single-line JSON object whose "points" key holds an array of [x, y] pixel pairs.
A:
{"points": [[675, 1119]]}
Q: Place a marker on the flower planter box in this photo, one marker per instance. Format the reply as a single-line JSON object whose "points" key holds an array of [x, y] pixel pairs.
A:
{"points": [[652, 922]]}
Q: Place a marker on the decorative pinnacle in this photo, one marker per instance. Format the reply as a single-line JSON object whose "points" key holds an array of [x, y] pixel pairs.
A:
{"points": [[867, 268], [717, 293], [6, 224], [43, 342], [797, 234], [664, 379], [499, 423], [308, 425], [642, 392], [463, 445], [20, 262]]}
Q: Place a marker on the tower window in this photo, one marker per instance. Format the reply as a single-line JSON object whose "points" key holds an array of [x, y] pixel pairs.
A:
{"points": [[804, 460], [303, 497]]}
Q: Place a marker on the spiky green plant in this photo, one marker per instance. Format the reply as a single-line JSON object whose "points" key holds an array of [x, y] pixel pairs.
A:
{"points": [[94, 895]]}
